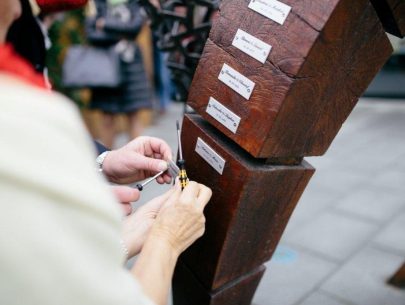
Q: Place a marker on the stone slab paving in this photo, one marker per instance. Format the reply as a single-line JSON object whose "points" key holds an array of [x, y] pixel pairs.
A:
{"points": [[298, 270], [392, 237], [333, 235], [361, 279]]}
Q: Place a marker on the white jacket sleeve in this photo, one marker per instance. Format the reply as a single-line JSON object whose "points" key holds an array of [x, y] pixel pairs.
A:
{"points": [[59, 224]]}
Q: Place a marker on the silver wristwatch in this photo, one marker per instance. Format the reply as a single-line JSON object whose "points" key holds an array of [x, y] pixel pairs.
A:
{"points": [[100, 160]]}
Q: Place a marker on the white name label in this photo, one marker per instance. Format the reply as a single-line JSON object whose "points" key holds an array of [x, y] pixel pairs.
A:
{"points": [[223, 115], [236, 81], [272, 9], [252, 46], [209, 155]]}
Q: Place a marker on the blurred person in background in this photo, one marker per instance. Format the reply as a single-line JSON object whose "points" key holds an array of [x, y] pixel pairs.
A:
{"points": [[162, 80], [128, 164], [60, 226], [116, 24]]}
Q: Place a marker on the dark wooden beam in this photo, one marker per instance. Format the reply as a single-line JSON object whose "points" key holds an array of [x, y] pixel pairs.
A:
{"points": [[187, 290], [392, 15], [249, 210], [323, 58]]}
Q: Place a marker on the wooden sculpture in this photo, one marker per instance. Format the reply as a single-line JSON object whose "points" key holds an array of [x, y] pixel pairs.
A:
{"points": [[322, 59], [247, 214], [276, 81]]}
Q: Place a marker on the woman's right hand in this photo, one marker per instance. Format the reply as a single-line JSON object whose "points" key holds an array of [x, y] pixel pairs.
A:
{"points": [[181, 221]]}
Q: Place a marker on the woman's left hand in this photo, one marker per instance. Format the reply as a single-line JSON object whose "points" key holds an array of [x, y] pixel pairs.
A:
{"points": [[125, 195], [137, 226]]}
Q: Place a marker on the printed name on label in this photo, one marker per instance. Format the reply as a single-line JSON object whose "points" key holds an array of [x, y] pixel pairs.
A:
{"points": [[251, 45], [210, 156], [236, 81], [272, 9], [223, 115]]}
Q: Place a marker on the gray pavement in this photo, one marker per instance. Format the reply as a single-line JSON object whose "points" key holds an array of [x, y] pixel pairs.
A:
{"points": [[347, 234]]}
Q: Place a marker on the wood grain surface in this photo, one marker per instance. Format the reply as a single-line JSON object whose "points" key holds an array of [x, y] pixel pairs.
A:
{"points": [[187, 290], [323, 58], [249, 210]]}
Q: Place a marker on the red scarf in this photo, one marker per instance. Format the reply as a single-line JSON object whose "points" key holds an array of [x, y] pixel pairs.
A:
{"points": [[12, 63], [51, 6]]}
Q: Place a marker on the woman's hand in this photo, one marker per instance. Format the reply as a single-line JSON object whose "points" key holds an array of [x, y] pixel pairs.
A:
{"points": [[181, 220], [137, 226], [141, 158], [125, 195], [176, 217], [179, 223]]}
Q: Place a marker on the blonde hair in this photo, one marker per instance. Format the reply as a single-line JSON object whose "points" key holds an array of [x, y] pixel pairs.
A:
{"points": [[91, 9], [35, 7]]}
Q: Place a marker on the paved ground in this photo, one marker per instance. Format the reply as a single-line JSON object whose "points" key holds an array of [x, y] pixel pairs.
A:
{"points": [[347, 235]]}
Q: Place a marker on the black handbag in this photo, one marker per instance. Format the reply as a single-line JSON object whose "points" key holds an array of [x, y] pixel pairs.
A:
{"points": [[91, 67]]}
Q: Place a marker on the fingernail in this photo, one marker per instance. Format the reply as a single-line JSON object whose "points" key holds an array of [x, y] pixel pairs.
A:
{"points": [[162, 166]]}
